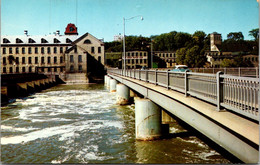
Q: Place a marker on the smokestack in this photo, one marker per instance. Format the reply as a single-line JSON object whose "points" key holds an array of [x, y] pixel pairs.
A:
{"points": [[57, 32]]}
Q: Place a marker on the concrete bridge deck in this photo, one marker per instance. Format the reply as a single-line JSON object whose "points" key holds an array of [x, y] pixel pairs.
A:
{"points": [[236, 134]]}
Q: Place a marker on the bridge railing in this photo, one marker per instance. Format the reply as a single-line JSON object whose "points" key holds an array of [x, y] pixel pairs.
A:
{"points": [[238, 94]]}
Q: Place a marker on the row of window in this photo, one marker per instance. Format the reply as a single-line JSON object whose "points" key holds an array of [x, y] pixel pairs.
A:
{"points": [[42, 49], [17, 69], [136, 61], [245, 59], [79, 58], [72, 69], [36, 50], [36, 61], [135, 54], [166, 55], [30, 40]]}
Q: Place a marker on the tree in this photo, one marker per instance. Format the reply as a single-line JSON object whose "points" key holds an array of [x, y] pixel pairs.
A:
{"points": [[193, 57], [235, 36], [254, 33], [227, 63], [181, 53]]}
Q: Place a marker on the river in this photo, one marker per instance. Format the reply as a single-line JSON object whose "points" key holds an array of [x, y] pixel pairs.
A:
{"points": [[82, 124]]}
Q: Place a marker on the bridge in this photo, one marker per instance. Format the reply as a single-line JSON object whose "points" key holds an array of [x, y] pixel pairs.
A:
{"points": [[224, 108]]}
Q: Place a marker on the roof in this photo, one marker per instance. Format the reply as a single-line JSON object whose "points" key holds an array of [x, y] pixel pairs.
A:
{"points": [[61, 39]]}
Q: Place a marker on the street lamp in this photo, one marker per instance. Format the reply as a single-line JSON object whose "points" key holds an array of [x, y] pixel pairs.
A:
{"points": [[124, 19]]}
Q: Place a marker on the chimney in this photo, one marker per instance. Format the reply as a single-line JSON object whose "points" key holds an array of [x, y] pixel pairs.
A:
{"points": [[57, 32], [25, 32]]}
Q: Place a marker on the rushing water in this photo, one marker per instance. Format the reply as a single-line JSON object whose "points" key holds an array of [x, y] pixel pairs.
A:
{"points": [[82, 124]]}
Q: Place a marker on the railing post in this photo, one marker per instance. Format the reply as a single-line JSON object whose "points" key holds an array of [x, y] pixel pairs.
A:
{"points": [[239, 72], [146, 75], [256, 72], [139, 74], [155, 76], [134, 73], [167, 79], [219, 89], [186, 83]]}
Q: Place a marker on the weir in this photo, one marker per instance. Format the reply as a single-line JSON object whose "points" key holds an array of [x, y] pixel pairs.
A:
{"points": [[234, 133]]}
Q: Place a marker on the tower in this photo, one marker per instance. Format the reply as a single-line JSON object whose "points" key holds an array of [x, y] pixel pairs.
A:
{"points": [[215, 41], [71, 29]]}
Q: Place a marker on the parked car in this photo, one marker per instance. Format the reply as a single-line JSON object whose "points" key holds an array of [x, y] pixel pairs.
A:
{"points": [[180, 68], [144, 68]]}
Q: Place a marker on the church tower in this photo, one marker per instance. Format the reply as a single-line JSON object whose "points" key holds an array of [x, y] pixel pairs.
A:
{"points": [[215, 41]]}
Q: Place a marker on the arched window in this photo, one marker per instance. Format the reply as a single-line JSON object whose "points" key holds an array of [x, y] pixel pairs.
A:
{"points": [[18, 40], [55, 40], [44, 40], [80, 67], [87, 41], [31, 40], [5, 40], [68, 40]]}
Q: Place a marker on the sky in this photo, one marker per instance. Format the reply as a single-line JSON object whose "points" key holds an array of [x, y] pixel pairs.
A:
{"points": [[104, 18]]}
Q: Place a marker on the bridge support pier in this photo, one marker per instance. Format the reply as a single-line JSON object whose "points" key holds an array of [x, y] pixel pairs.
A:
{"points": [[166, 119], [123, 94], [106, 79], [108, 82], [113, 83], [147, 120]]}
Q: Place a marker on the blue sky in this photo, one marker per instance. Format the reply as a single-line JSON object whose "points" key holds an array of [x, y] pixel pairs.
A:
{"points": [[104, 18]]}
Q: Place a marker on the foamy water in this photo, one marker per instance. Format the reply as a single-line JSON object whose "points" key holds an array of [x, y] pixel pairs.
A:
{"points": [[82, 124]]}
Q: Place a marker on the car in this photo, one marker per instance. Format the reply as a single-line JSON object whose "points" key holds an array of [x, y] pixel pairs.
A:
{"points": [[144, 68], [181, 68]]}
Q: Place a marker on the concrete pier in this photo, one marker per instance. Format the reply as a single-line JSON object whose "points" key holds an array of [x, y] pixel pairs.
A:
{"points": [[123, 94], [147, 120], [166, 119], [113, 83], [108, 82]]}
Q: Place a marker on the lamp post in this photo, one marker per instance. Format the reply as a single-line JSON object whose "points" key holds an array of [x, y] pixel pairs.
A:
{"points": [[151, 53], [124, 19]]}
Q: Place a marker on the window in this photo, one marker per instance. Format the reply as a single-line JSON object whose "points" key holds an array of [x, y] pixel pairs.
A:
{"points": [[4, 69], [17, 69], [136, 61], [30, 69], [55, 60], [4, 60], [17, 50], [99, 59], [23, 60], [71, 68], [42, 50], [11, 70], [144, 54], [4, 50], [18, 40], [80, 67], [141, 54], [68, 40], [71, 58], [61, 69], [17, 60], [80, 58], [29, 60], [23, 69], [49, 69], [92, 49], [23, 50], [5, 40], [61, 49], [145, 61], [36, 60], [55, 69], [36, 50], [87, 41], [99, 49], [75, 50], [10, 51], [44, 40], [133, 54], [48, 50], [55, 40], [31, 40], [136, 54], [55, 50], [30, 50], [141, 61], [42, 60], [61, 59], [49, 60]]}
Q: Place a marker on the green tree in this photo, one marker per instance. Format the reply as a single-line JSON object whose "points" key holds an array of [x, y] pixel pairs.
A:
{"points": [[254, 33], [193, 57], [181, 53], [235, 36], [227, 63]]}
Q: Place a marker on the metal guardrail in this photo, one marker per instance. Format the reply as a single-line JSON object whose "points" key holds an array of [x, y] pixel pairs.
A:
{"points": [[238, 94]]}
